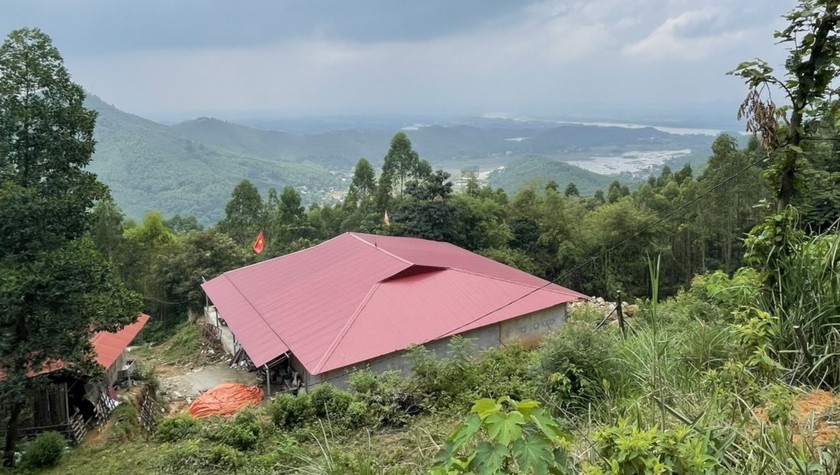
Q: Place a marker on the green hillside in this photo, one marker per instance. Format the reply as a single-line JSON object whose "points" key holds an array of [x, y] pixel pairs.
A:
{"points": [[192, 167], [540, 170], [150, 166]]}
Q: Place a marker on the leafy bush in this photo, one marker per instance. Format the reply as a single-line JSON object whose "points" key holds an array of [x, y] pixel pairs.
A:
{"points": [[148, 374], [585, 312], [704, 346], [379, 399], [505, 436], [282, 453], [330, 403], [126, 422], [573, 363], [194, 456], [177, 428], [43, 452], [743, 289], [243, 432], [449, 382], [288, 411], [504, 371], [627, 449], [240, 437]]}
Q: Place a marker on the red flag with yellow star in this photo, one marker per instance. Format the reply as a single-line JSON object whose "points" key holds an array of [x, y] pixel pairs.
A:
{"points": [[259, 244]]}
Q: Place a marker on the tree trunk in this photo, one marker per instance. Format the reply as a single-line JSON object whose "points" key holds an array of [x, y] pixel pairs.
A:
{"points": [[11, 435]]}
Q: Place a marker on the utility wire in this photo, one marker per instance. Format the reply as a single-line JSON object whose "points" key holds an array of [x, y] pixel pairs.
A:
{"points": [[557, 279], [613, 248]]}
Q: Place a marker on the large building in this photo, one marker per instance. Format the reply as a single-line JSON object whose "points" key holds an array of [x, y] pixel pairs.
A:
{"points": [[359, 300]]}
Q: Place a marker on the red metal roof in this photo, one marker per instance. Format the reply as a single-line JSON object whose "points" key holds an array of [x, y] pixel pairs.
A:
{"points": [[359, 296], [109, 346]]}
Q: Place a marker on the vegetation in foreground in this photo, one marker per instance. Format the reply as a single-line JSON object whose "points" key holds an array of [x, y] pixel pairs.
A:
{"points": [[698, 385], [721, 378]]}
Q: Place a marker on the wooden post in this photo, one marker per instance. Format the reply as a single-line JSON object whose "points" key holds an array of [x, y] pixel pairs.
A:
{"points": [[66, 403], [267, 382], [620, 315], [803, 342]]}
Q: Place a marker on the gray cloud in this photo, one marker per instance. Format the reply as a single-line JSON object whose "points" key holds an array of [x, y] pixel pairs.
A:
{"points": [[164, 58]]}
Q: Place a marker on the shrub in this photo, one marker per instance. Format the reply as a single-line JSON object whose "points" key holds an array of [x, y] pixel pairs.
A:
{"points": [[744, 288], [193, 456], [238, 436], [627, 449], [282, 453], [288, 411], [704, 346], [505, 436], [446, 382], [364, 382], [43, 452], [148, 374], [177, 428], [242, 432], [504, 372], [126, 422], [330, 403], [573, 363], [380, 399]]}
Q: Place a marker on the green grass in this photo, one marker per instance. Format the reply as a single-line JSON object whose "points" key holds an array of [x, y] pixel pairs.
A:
{"points": [[674, 375], [184, 346], [110, 458]]}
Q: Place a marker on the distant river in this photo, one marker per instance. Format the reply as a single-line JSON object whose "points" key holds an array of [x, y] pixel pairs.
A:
{"points": [[670, 130], [639, 164]]}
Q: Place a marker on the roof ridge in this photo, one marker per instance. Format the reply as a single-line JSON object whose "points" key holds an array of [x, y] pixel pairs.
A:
{"points": [[375, 246], [545, 285], [350, 321], [257, 312], [284, 255]]}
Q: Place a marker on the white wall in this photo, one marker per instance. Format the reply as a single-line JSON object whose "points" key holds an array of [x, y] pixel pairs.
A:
{"points": [[226, 338], [527, 329]]}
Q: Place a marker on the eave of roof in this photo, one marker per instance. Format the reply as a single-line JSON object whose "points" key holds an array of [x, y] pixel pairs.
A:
{"points": [[330, 305]]}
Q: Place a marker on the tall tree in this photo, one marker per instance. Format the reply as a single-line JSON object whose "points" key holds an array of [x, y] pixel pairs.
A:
{"points": [[55, 287], [244, 214], [107, 227], [402, 162], [730, 211], [812, 65], [363, 186]]}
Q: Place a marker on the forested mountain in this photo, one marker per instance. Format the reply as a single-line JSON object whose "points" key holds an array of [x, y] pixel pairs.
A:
{"points": [[152, 166], [189, 168]]}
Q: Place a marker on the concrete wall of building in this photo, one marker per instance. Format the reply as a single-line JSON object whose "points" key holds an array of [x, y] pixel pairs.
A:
{"points": [[528, 329], [226, 337]]}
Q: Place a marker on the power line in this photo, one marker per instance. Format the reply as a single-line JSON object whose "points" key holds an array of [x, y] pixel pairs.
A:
{"points": [[613, 248], [557, 279]]}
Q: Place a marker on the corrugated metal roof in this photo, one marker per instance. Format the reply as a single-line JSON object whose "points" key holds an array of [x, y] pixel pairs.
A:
{"points": [[359, 296], [110, 345]]}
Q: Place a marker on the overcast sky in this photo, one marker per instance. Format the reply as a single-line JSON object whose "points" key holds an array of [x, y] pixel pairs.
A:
{"points": [[232, 59]]}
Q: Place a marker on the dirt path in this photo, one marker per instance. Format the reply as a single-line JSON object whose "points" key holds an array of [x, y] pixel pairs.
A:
{"points": [[176, 386]]}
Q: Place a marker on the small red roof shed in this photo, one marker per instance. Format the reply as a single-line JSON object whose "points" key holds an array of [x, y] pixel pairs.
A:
{"points": [[110, 345], [360, 296]]}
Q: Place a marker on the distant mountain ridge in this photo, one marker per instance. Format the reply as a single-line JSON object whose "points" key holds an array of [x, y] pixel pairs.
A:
{"points": [[191, 168]]}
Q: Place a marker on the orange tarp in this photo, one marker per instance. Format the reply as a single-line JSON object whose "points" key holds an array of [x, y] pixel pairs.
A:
{"points": [[226, 399]]}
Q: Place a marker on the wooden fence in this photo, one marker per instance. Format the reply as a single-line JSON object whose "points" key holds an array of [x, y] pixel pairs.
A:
{"points": [[77, 428], [149, 411]]}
